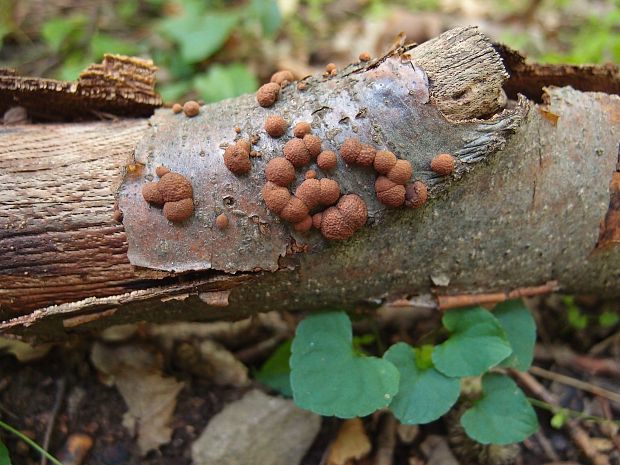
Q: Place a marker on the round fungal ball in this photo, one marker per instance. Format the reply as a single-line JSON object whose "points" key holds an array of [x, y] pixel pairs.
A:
{"points": [[301, 129], [334, 226], [151, 193], [443, 164], [179, 211], [294, 211], [275, 197], [221, 222], [364, 56], [282, 77], [161, 171], [310, 174], [330, 191], [304, 225], [366, 157], [267, 94], [416, 194], [177, 108], [350, 150], [316, 220], [327, 160], [401, 172], [353, 209], [237, 159], [275, 126], [389, 193], [313, 144], [330, 68], [309, 192], [296, 152], [175, 187], [384, 161], [280, 171], [191, 108], [244, 144]]}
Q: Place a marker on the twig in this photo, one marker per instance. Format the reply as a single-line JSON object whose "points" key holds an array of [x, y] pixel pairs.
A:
{"points": [[576, 383], [577, 433], [60, 393], [445, 302], [386, 442]]}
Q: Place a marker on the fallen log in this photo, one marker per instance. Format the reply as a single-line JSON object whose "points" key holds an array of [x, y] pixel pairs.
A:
{"points": [[533, 202]]}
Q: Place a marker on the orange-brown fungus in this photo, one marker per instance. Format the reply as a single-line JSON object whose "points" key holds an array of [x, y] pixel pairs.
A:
{"points": [[343, 220], [330, 191], [275, 126], [350, 150], [267, 94], [282, 78], [301, 129], [310, 174], [177, 108], [304, 225], [309, 192], [221, 222], [316, 220], [366, 157], [330, 68], [150, 192], [280, 171], [416, 194], [294, 211], [297, 153], [384, 161], [161, 171], [389, 193], [364, 56], [327, 160], [275, 197], [191, 108], [401, 172], [244, 144], [354, 210], [313, 144], [237, 158], [175, 187], [179, 211], [301, 86], [443, 164]]}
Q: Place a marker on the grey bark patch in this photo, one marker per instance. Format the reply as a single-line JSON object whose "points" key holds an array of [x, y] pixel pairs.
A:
{"points": [[257, 430]]}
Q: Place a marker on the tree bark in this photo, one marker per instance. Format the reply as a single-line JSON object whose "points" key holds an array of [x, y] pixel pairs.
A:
{"points": [[535, 200]]}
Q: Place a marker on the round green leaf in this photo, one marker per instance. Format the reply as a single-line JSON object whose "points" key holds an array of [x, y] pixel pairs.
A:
{"points": [[520, 329], [329, 378], [502, 416], [476, 344], [424, 394]]}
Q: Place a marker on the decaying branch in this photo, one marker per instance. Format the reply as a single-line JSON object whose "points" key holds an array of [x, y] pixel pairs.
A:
{"points": [[528, 204]]}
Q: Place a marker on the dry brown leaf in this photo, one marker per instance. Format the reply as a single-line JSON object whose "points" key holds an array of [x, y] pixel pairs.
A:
{"points": [[351, 443]]}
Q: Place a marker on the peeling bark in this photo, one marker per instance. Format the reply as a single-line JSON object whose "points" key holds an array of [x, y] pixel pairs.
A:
{"points": [[523, 208]]}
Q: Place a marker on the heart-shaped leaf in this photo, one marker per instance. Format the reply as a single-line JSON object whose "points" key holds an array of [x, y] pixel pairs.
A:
{"points": [[330, 378], [476, 344], [520, 329], [424, 393], [275, 372], [502, 416]]}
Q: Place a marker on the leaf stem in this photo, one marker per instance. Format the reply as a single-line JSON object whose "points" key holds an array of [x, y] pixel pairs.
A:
{"points": [[573, 413], [30, 442]]}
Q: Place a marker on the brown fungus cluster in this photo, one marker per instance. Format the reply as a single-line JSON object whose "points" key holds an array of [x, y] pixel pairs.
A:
{"points": [[327, 160], [443, 164], [275, 126], [280, 171], [267, 94], [343, 220], [173, 191], [283, 77], [237, 157], [301, 129]]}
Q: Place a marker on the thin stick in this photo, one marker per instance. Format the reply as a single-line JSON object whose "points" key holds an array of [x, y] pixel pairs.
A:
{"points": [[445, 302], [30, 442], [60, 392], [576, 383]]}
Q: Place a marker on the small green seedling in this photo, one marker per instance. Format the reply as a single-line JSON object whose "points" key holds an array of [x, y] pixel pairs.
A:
{"points": [[5, 459], [329, 375]]}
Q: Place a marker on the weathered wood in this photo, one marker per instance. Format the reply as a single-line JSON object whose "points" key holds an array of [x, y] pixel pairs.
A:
{"points": [[523, 216]]}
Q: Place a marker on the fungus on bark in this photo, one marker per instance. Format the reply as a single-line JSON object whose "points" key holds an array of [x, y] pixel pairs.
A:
{"points": [[303, 225], [161, 171], [343, 220], [174, 187], [313, 144], [294, 211], [327, 160], [283, 77], [173, 191], [237, 157], [364, 56], [150, 192], [296, 152], [389, 193], [443, 164], [275, 197], [384, 161], [310, 174], [179, 211], [275, 126], [401, 172], [267, 94], [280, 171], [191, 108], [177, 108], [416, 194], [350, 150], [221, 222], [301, 129]]}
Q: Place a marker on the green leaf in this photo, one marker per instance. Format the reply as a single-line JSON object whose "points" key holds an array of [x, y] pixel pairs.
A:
{"points": [[73, 65], [268, 14], [4, 455], [104, 43], [275, 372], [225, 81], [61, 33], [199, 37], [558, 420], [328, 378], [520, 328], [423, 395], [607, 319], [502, 416], [174, 91], [476, 344]]}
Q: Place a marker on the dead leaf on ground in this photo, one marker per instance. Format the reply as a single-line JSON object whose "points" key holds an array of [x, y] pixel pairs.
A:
{"points": [[351, 443]]}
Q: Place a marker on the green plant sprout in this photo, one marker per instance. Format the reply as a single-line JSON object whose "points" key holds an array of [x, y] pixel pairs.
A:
{"points": [[329, 375], [4, 453]]}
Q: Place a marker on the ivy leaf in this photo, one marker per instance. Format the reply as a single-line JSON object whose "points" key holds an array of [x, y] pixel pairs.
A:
{"points": [[424, 394], [4, 455], [520, 329], [275, 372], [502, 416], [225, 81], [329, 378], [476, 344]]}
